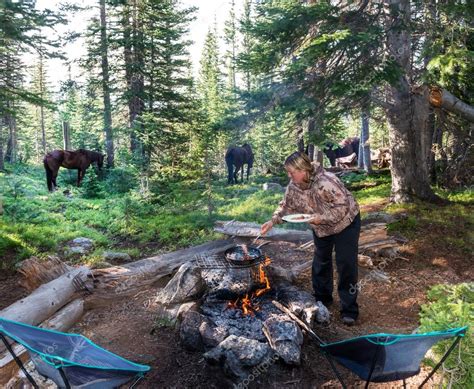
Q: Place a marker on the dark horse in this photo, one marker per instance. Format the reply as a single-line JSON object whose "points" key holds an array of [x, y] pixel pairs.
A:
{"points": [[345, 148], [238, 157], [80, 159]]}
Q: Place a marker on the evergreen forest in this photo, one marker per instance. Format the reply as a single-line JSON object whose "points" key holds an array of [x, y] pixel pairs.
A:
{"points": [[279, 75]]}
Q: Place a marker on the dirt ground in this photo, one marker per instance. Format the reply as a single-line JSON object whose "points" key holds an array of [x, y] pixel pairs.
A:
{"points": [[130, 329]]}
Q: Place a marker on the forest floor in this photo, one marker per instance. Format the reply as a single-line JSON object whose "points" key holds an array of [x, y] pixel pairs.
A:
{"points": [[130, 328]]}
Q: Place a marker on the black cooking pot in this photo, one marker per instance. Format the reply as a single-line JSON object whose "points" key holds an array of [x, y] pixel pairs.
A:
{"points": [[237, 256]]}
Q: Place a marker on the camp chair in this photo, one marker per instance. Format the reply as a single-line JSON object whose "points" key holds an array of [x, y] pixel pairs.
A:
{"points": [[381, 357], [70, 360], [389, 357]]}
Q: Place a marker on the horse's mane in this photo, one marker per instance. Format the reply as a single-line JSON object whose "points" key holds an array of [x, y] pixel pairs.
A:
{"points": [[92, 155]]}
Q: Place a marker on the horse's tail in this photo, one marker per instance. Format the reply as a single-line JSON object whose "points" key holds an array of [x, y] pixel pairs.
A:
{"points": [[49, 175], [229, 160]]}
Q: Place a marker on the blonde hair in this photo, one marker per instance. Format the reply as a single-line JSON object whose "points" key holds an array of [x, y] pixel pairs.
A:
{"points": [[299, 161]]}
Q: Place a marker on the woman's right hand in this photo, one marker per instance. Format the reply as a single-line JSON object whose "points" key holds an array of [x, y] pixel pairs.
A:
{"points": [[266, 227]]}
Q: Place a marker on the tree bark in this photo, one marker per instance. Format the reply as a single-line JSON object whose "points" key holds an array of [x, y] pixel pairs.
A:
{"points": [[109, 141], [41, 90], [2, 162], [11, 153], [45, 300], [120, 281], [408, 116], [364, 145], [66, 135], [136, 103]]}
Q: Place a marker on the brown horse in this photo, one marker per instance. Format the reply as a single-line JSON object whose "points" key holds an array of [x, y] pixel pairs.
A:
{"points": [[80, 159], [238, 157]]}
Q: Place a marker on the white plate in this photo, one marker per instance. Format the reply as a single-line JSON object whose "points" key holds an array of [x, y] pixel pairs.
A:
{"points": [[297, 218]]}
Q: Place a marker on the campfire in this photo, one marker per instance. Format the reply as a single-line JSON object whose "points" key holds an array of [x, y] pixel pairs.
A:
{"points": [[249, 304], [225, 307]]}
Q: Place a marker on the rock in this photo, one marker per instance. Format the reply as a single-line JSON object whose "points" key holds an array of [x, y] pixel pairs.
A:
{"points": [[186, 285], [379, 275], [273, 186], [189, 330], [285, 338], [212, 335], [237, 354], [175, 312], [379, 217], [322, 314], [303, 304], [116, 256], [365, 261], [81, 246]]}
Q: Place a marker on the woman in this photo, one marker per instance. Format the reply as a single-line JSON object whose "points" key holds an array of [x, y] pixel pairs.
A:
{"points": [[335, 223]]}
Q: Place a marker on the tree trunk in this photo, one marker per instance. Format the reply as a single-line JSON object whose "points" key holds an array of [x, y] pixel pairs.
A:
{"points": [[300, 138], [2, 163], [41, 91], [109, 141], [136, 103], [364, 160], [12, 148], [66, 135], [408, 116], [314, 131]]}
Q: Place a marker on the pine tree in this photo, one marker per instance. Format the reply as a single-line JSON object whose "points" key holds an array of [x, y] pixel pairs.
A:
{"points": [[109, 138]]}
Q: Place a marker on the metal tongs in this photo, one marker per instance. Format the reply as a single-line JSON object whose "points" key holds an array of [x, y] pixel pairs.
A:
{"points": [[257, 238]]}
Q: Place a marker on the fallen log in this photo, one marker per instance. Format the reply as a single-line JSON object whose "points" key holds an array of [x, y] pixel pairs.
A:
{"points": [[119, 281], [244, 229], [46, 300], [37, 272], [62, 320], [373, 237]]}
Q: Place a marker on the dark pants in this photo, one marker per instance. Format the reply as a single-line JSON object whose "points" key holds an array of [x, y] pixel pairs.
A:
{"points": [[346, 244]]}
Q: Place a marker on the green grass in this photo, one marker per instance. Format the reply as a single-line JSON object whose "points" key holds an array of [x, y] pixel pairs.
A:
{"points": [[111, 211], [451, 306]]}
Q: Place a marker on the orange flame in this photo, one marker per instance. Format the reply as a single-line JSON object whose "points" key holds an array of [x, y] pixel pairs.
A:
{"points": [[247, 304]]}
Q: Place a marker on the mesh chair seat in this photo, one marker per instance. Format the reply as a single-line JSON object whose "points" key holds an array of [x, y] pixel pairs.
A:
{"points": [[70, 360], [388, 357]]}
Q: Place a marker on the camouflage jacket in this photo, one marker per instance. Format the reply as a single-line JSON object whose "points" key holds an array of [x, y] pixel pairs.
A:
{"points": [[326, 198]]}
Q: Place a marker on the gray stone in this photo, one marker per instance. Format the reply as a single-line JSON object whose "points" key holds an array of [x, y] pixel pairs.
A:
{"points": [[175, 312], [285, 338], [273, 186], [322, 314], [81, 246], [83, 242], [379, 217], [116, 256], [212, 335], [189, 330], [303, 304], [237, 354], [186, 285]]}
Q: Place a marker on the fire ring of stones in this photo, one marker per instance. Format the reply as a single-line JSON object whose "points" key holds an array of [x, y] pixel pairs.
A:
{"points": [[226, 311]]}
